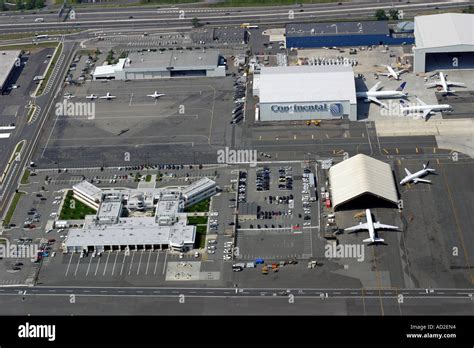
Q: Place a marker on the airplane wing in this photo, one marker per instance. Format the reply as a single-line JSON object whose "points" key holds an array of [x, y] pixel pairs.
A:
{"points": [[360, 227], [431, 84], [104, 97], [378, 226], [376, 101], [426, 113], [422, 180], [401, 71], [375, 87], [407, 171], [451, 83]]}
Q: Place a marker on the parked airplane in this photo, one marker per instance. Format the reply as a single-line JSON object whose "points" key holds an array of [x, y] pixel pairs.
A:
{"points": [[371, 227], [392, 72], [92, 96], [156, 95], [415, 177], [372, 94], [68, 96], [424, 108], [108, 96], [444, 84]]}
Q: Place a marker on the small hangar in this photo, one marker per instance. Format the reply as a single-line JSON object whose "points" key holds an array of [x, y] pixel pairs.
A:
{"points": [[444, 41], [362, 181]]}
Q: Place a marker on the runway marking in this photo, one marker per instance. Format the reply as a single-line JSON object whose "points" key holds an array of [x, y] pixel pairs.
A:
{"points": [[458, 229], [377, 277], [106, 262], [121, 145], [148, 262], [69, 264], [385, 150], [131, 97]]}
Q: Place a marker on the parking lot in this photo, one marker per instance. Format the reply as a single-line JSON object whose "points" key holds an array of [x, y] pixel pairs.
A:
{"points": [[287, 220]]}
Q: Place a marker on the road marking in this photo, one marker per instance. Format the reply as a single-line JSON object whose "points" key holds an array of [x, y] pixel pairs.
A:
{"points": [[106, 262], [69, 264], [156, 261], [148, 262], [97, 267], [77, 266], [164, 263], [123, 263], [140, 261], [131, 262], [89, 266], [115, 261], [131, 97]]}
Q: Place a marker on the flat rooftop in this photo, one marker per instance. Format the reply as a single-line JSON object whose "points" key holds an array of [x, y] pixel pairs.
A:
{"points": [[88, 189], [182, 59], [130, 231], [198, 186], [7, 62], [307, 84], [337, 28]]}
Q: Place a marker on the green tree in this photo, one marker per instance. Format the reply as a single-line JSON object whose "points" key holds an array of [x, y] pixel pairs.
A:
{"points": [[195, 22], [19, 4], [381, 15], [3, 7], [393, 13]]}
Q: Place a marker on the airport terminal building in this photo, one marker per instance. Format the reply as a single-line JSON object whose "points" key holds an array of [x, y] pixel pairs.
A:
{"points": [[154, 218], [292, 93], [164, 64]]}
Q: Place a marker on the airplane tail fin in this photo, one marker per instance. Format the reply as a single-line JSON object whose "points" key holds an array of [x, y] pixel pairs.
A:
{"points": [[402, 86], [426, 165]]}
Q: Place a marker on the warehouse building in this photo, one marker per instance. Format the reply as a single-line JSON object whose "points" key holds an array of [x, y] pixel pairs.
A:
{"points": [[342, 34], [8, 61], [306, 92], [444, 41], [362, 182], [164, 64]]}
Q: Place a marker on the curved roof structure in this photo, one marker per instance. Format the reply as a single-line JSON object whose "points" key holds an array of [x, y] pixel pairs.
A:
{"points": [[361, 175]]}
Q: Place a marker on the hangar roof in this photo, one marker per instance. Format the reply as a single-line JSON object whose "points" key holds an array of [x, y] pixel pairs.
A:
{"points": [[359, 175], [180, 59], [290, 84], [447, 29], [7, 62]]}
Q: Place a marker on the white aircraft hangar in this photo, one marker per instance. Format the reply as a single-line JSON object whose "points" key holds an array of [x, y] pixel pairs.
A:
{"points": [[444, 41], [362, 181]]}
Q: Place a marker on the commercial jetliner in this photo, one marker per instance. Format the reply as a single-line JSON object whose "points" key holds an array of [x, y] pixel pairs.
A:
{"points": [[108, 96], [371, 227], [415, 177], [424, 108], [156, 95], [444, 84], [392, 72], [92, 96], [372, 94]]}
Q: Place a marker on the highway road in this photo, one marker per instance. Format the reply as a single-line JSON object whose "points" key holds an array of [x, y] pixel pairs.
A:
{"points": [[31, 133], [133, 18]]}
